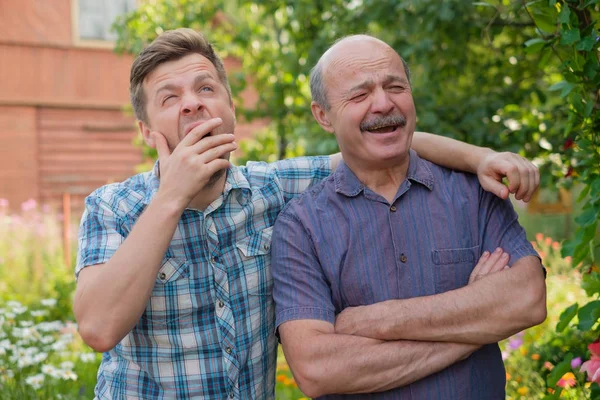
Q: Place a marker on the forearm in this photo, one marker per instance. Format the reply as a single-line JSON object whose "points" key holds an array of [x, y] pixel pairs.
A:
{"points": [[111, 298], [485, 311], [448, 152], [343, 364]]}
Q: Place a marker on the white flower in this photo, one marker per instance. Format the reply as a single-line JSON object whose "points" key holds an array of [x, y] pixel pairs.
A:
{"points": [[52, 371], [13, 304], [5, 344], [67, 365], [35, 381], [19, 310], [53, 326], [87, 357], [39, 313], [10, 315], [47, 339], [38, 358], [59, 346], [48, 302], [69, 375], [9, 373], [26, 324]]}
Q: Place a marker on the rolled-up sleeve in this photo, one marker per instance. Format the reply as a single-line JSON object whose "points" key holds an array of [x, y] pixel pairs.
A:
{"points": [[298, 174], [98, 238], [500, 228], [301, 290]]}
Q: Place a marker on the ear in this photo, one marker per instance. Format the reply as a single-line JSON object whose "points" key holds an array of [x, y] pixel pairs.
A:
{"points": [[145, 130], [233, 111], [321, 116]]}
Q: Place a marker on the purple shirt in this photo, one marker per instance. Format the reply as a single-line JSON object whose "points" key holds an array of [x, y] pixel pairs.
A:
{"points": [[341, 245]]}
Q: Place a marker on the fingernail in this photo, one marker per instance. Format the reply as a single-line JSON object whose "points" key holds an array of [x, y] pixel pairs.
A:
{"points": [[498, 250], [505, 255], [485, 254]]}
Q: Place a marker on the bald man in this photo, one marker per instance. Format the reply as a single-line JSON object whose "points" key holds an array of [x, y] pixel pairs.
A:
{"points": [[392, 276]]}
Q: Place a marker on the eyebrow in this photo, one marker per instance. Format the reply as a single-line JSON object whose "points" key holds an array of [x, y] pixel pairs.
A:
{"points": [[171, 87], [388, 79]]}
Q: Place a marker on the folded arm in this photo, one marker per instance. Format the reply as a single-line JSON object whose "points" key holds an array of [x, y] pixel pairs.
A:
{"points": [[482, 312], [325, 362]]}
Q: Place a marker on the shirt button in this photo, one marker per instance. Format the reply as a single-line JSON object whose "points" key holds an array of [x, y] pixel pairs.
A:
{"points": [[231, 395], [213, 260], [266, 247], [162, 276], [221, 304], [393, 208], [228, 350], [403, 258]]}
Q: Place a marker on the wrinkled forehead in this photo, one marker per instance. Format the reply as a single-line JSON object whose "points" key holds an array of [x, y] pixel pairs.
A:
{"points": [[347, 64]]}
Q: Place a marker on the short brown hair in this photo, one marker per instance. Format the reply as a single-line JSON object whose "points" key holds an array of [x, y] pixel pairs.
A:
{"points": [[169, 46]]}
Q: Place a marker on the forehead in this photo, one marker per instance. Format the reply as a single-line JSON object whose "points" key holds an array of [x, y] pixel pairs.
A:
{"points": [[179, 72], [355, 63]]}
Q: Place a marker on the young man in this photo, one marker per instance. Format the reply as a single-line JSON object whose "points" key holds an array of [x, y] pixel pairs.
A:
{"points": [[174, 282]]}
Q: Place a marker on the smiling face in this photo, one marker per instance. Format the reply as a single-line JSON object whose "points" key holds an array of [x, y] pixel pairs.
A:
{"points": [[371, 109], [182, 94]]}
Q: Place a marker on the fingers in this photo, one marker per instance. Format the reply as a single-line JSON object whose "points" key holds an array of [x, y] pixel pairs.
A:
{"points": [[489, 264], [200, 131], [494, 186], [209, 142], [217, 152], [162, 147]]}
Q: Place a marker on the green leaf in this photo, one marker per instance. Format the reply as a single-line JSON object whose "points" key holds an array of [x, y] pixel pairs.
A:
{"points": [[591, 284], [588, 315], [566, 316], [559, 370], [586, 44], [587, 217], [564, 86], [564, 15], [570, 37], [534, 45], [484, 4]]}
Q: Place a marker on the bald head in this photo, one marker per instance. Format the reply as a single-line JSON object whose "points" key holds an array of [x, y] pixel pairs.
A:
{"points": [[330, 61]]}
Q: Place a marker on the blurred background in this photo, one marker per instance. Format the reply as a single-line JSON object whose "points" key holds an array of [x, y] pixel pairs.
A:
{"points": [[512, 75]]}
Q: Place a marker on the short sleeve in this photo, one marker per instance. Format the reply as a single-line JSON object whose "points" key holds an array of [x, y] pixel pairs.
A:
{"points": [[295, 175], [500, 228], [301, 290], [99, 237]]}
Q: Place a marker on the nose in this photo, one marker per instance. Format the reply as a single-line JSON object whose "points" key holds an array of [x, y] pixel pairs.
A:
{"points": [[191, 104], [382, 103]]}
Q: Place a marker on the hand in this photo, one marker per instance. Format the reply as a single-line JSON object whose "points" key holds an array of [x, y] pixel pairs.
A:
{"points": [[523, 176], [489, 264], [196, 158]]}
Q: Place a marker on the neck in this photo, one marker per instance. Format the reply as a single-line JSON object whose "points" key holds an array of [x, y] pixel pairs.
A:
{"points": [[383, 180], [209, 193]]}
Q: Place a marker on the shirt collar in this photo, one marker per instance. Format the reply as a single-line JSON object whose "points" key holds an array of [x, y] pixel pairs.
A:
{"points": [[348, 184]]}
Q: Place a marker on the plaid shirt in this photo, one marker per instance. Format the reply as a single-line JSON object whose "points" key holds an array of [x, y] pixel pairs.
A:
{"points": [[208, 328]]}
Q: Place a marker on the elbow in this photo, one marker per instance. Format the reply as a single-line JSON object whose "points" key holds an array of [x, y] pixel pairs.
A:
{"points": [[535, 306], [311, 380], [99, 339]]}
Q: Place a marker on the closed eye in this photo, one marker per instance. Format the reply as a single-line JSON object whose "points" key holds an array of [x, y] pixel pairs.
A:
{"points": [[358, 97], [171, 96]]}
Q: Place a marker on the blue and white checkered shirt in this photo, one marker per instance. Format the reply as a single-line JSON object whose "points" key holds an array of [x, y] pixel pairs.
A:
{"points": [[208, 329]]}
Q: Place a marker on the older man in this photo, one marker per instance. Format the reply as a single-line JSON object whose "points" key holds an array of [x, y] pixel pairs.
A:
{"points": [[174, 281], [377, 289]]}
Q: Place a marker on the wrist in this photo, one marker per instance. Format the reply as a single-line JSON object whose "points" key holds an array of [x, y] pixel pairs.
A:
{"points": [[168, 205], [476, 159]]}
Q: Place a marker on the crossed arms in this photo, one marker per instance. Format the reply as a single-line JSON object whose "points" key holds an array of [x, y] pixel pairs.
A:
{"points": [[394, 343]]}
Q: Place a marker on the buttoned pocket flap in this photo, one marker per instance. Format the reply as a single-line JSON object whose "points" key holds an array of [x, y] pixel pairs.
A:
{"points": [[455, 256], [172, 269], [256, 244]]}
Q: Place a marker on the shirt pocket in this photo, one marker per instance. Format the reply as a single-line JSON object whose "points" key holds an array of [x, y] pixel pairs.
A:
{"points": [[172, 298], [256, 263], [453, 267]]}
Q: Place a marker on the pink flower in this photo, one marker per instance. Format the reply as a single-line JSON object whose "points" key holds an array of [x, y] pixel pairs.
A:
{"points": [[567, 381], [592, 366], [28, 205], [576, 362]]}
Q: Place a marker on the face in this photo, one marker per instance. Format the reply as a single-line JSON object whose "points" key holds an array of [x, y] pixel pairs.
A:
{"points": [[372, 112], [180, 95]]}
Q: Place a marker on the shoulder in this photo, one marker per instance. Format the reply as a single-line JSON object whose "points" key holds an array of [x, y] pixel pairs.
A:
{"points": [[311, 200], [121, 197]]}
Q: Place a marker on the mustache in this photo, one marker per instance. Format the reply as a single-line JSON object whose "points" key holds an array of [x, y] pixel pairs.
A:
{"points": [[380, 122]]}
